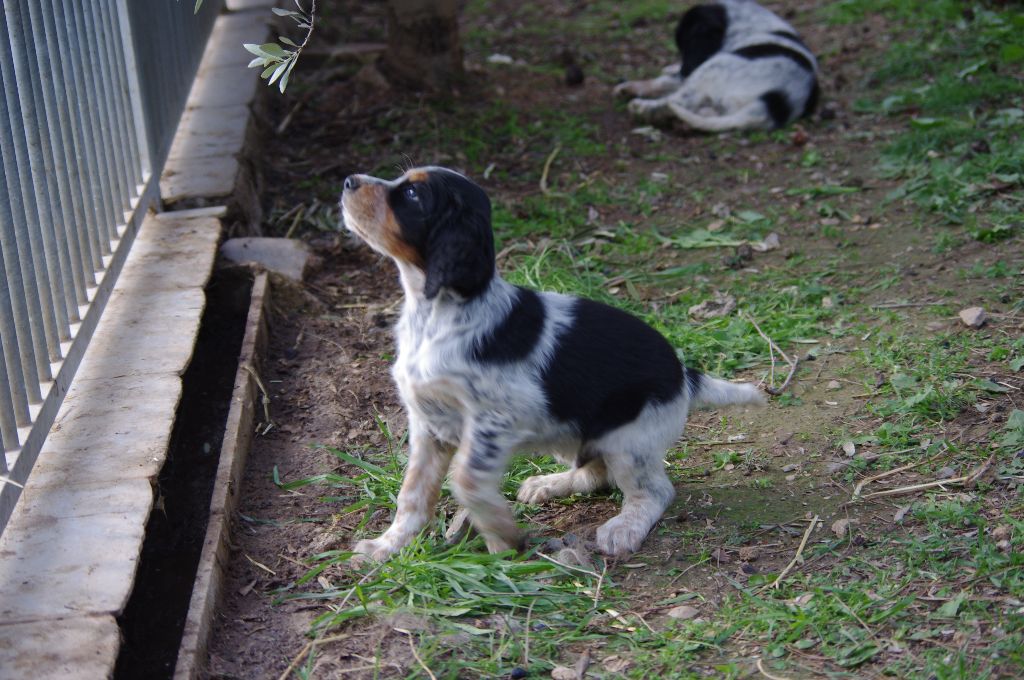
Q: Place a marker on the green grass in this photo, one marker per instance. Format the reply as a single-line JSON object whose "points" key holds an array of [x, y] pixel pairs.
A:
{"points": [[956, 83]]}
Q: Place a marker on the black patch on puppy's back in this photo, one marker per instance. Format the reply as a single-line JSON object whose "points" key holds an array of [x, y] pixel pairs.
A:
{"points": [[516, 336], [778, 107], [699, 35], [767, 50], [606, 368]]}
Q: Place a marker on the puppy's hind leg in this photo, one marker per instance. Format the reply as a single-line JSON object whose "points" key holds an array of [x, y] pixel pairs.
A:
{"points": [[428, 463], [585, 478], [646, 491]]}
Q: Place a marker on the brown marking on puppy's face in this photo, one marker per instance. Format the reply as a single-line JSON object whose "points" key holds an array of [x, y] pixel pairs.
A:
{"points": [[367, 212], [432, 218]]}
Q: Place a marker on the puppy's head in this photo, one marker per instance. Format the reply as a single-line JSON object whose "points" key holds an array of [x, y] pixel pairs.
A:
{"points": [[431, 218]]}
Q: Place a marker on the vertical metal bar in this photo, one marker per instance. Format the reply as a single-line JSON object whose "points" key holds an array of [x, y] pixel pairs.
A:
{"points": [[36, 281], [19, 366], [41, 183], [85, 70], [13, 400], [85, 163], [64, 202], [119, 94], [132, 74], [96, 95], [21, 330], [105, 87]]}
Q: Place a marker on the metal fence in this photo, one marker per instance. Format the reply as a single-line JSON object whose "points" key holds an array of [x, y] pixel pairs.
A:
{"points": [[92, 94]]}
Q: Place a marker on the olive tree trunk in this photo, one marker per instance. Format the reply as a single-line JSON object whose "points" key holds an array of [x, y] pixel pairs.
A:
{"points": [[423, 43]]}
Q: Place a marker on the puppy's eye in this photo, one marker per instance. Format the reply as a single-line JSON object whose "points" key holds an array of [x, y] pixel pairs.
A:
{"points": [[411, 193]]}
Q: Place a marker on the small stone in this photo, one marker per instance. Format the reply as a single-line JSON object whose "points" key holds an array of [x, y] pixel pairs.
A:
{"points": [[748, 568], [518, 673], [834, 385], [790, 468], [790, 478], [1003, 545], [973, 317], [850, 449], [770, 242], [945, 473], [563, 673], [827, 302], [683, 612]]}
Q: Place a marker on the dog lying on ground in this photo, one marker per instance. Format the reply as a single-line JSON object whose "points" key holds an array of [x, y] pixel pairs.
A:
{"points": [[743, 68], [486, 369]]}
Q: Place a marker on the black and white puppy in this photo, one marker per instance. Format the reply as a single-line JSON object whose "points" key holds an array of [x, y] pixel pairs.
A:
{"points": [[486, 369], [743, 68]]}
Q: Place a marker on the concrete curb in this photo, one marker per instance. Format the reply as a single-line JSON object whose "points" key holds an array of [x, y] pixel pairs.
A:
{"points": [[245, 409]]}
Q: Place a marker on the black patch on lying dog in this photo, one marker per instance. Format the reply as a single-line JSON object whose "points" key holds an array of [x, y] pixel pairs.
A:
{"points": [[789, 36], [516, 336], [812, 100], [699, 35], [606, 368], [765, 51], [778, 107]]}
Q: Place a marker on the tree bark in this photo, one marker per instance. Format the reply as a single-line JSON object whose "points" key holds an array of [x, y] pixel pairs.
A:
{"points": [[423, 43]]}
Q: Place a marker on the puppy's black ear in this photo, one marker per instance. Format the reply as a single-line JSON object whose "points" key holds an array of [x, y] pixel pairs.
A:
{"points": [[699, 35], [460, 248]]}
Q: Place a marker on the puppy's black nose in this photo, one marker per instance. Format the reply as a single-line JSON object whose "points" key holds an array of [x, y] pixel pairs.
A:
{"points": [[351, 183]]}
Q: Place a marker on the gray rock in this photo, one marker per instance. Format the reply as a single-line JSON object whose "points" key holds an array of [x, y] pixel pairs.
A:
{"points": [[285, 256]]}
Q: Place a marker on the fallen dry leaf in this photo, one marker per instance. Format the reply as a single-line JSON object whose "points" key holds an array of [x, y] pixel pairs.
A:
{"points": [[840, 527], [722, 304]]}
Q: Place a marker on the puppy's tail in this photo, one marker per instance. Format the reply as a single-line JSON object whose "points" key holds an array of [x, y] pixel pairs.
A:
{"points": [[753, 116], [707, 391]]}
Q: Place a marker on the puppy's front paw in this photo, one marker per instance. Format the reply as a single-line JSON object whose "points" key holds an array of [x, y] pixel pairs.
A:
{"points": [[371, 549], [620, 537]]}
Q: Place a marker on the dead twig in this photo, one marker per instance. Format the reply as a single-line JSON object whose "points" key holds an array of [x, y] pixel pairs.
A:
{"points": [[600, 580], [547, 169], [796, 557], [416, 654], [264, 399], [306, 649], [762, 671], [965, 480], [888, 473], [793, 363]]}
